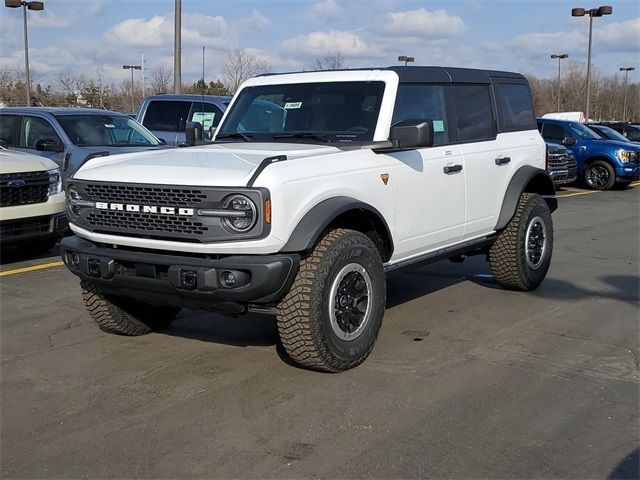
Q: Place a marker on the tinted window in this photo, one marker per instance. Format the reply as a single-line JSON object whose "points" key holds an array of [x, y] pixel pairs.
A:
{"points": [[34, 129], [423, 102], [553, 132], [516, 108], [207, 114], [632, 133], [7, 124], [166, 115], [106, 130], [474, 115]]}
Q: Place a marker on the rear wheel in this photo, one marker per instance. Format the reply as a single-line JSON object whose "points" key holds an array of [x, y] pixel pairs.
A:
{"points": [[125, 316], [330, 318], [599, 175]]}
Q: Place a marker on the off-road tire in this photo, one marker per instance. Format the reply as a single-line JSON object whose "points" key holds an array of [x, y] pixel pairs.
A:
{"points": [[602, 166], [303, 316], [124, 316], [507, 255]]}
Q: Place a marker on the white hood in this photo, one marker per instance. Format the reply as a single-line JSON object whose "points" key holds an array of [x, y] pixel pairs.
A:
{"points": [[224, 165], [18, 162]]}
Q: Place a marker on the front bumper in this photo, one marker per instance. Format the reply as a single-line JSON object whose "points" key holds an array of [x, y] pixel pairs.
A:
{"points": [[628, 171], [185, 281], [21, 229], [564, 176]]}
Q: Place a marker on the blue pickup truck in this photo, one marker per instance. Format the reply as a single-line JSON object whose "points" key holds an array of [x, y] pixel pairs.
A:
{"points": [[602, 163]]}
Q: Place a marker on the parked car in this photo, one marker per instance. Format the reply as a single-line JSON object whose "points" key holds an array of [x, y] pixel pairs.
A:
{"points": [[371, 170], [561, 164], [601, 163], [608, 133], [32, 207], [629, 130], [71, 136], [167, 115]]}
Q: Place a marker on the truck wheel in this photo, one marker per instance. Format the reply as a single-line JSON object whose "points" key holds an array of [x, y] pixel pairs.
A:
{"points": [[330, 318], [124, 316], [521, 255], [599, 175]]}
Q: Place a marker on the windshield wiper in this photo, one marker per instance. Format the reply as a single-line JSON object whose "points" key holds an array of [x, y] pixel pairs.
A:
{"points": [[314, 136], [245, 136]]}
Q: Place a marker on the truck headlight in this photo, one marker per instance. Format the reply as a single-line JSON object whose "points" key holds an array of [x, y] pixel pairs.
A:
{"points": [[55, 181], [625, 156], [242, 213]]}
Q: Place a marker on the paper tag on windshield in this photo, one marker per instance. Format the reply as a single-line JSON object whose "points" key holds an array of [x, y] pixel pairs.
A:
{"points": [[292, 105], [109, 125], [438, 126], [205, 119]]}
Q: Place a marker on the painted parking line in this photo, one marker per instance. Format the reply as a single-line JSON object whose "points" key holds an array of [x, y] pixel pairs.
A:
{"points": [[575, 193], [32, 268]]}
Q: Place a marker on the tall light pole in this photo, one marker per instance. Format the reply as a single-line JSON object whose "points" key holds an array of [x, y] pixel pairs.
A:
{"points": [[177, 48], [592, 12], [405, 59], [559, 56], [35, 6], [132, 68], [626, 71]]}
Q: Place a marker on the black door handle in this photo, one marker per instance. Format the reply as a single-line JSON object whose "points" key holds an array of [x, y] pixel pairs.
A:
{"points": [[452, 168], [503, 160]]}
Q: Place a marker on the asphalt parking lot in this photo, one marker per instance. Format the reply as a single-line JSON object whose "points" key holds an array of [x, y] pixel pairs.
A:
{"points": [[466, 380]]}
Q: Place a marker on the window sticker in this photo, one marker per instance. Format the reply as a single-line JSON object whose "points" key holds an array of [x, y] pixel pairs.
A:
{"points": [[292, 105], [438, 125], [205, 119]]}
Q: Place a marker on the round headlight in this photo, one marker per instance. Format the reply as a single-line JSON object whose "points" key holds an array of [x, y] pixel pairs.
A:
{"points": [[243, 213], [72, 193]]}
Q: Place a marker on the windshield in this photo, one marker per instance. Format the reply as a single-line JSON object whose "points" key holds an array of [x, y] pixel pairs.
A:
{"points": [[584, 132], [610, 133], [106, 131], [324, 112]]}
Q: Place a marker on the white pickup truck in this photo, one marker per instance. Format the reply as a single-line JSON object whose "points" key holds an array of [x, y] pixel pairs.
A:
{"points": [[317, 184]]}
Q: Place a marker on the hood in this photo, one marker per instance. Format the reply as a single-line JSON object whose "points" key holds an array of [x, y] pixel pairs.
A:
{"points": [[120, 150], [223, 165], [19, 162], [616, 144]]}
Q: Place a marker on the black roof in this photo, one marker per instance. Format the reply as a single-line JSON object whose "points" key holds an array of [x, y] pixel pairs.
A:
{"points": [[430, 74]]}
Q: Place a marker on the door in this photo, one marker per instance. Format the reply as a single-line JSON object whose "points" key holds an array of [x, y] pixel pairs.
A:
{"points": [[428, 183], [38, 137], [166, 119]]}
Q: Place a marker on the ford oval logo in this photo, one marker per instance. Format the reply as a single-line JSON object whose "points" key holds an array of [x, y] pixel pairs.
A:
{"points": [[17, 183]]}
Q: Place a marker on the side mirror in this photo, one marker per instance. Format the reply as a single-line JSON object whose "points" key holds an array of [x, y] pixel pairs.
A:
{"points": [[48, 145], [162, 141], [412, 134], [212, 132], [569, 141], [193, 133]]}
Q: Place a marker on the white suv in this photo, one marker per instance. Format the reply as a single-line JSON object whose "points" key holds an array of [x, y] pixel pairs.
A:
{"points": [[32, 207], [317, 185]]}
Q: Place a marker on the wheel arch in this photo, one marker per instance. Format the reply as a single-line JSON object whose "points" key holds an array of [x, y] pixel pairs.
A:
{"points": [[341, 212], [600, 157], [530, 180]]}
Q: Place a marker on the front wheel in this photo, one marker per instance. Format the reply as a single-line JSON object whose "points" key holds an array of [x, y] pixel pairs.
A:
{"points": [[599, 175], [330, 318], [521, 255]]}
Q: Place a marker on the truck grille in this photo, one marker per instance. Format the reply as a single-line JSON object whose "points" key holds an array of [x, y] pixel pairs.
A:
{"points": [[14, 228], [141, 194], [166, 224], [34, 189], [558, 160]]}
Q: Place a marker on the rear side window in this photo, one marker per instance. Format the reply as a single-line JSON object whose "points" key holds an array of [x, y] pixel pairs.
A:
{"points": [[207, 114], [35, 129], [632, 134], [423, 102], [166, 115], [515, 107], [553, 132], [7, 125], [474, 115]]}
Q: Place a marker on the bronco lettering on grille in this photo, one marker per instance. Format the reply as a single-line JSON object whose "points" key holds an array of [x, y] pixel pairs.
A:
{"points": [[145, 209]]}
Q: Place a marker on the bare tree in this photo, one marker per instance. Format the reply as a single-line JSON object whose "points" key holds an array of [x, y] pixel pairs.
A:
{"points": [[331, 61], [239, 65], [161, 78], [72, 87]]}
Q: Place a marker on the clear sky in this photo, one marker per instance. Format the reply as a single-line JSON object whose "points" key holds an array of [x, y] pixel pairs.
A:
{"points": [[82, 36]]}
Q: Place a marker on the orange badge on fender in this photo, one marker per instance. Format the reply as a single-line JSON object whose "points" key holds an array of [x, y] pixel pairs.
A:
{"points": [[385, 178]]}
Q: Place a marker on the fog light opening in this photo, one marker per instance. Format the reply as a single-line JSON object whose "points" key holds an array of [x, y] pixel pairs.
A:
{"points": [[75, 259], [229, 279]]}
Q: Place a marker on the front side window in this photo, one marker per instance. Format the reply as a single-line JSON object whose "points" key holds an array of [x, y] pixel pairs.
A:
{"points": [[583, 132], [474, 115], [423, 102], [516, 108], [166, 115], [207, 114], [553, 132], [632, 134], [7, 125], [325, 112], [106, 130], [35, 129]]}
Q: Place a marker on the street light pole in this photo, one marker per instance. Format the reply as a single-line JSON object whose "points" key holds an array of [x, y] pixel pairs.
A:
{"points": [[36, 6], [405, 59], [592, 12], [626, 71], [559, 57], [132, 68], [177, 48]]}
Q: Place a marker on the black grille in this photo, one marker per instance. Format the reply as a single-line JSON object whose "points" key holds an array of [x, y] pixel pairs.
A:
{"points": [[24, 227], [165, 224], [147, 195], [34, 190]]}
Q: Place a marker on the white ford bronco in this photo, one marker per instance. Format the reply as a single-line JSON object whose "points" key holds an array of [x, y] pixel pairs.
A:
{"points": [[316, 185]]}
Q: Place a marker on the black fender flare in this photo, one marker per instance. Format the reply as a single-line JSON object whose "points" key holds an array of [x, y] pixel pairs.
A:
{"points": [[523, 177], [316, 220]]}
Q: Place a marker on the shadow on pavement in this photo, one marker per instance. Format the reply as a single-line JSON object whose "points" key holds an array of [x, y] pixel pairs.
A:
{"points": [[628, 468], [625, 288], [14, 254]]}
